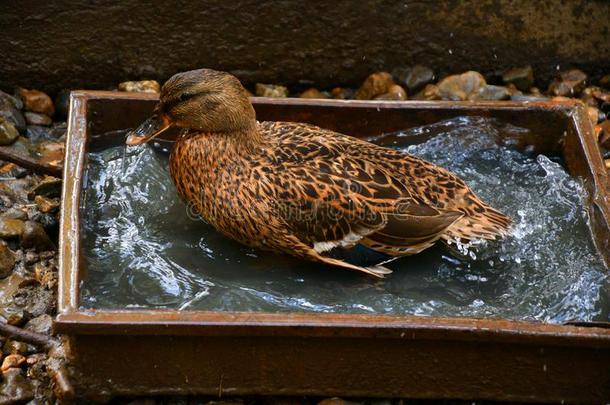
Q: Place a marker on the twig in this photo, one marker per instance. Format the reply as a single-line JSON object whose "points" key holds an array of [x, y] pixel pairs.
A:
{"points": [[27, 336], [10, 155]]}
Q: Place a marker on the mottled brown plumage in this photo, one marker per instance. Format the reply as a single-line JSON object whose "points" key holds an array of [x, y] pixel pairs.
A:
{"points": [[303, 190]]}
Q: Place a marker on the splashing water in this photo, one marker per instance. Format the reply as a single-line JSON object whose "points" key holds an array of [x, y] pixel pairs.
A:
{"points": [[142, 249]]}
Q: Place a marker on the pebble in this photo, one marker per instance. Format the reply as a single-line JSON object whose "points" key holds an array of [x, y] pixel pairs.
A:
{"points": [[607, 163], [429, 93], [414, 78], [15, 347], [45, 275], [14, 213], [375, 85], [465, 86], [15, 388], [312, 93], [271, 90], [7, 260], [521, 77], [10, 109], [8, 132], [395, 92], [51, 152], [11, 228], [62, 104], [493, 93], [142, 86], [11, 361], [36, 101], [49, 186], [42, 324], [569, 83], [342, 93], [34, 236], [14, 315], [32, 118], [45, 204], [35, 300]]}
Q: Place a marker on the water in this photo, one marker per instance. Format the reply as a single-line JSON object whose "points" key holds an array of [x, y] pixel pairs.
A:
{"points": [[142, 248]]}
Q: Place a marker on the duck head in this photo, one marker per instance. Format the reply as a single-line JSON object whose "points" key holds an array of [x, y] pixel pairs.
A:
{"points": [[205, 100]]}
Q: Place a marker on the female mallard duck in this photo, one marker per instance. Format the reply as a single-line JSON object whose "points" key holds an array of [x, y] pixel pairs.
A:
{"points": [[303, 190]]}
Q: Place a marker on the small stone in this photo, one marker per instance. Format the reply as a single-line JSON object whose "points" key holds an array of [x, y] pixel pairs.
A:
{"points": [[31, 257], [36, 101], [32, 118], [35, 300], [375, 85], [14, 315], [10, 110], [569, 83], [34, 236], [607, 163], [313, 93], [51, 152], [414, 78], [49, 187], [395, 92], [271, 90], [7, 260], [15, 213], [37, 133], [45, 275], [522, 77], [11, 361], [62, 104], [465, 86], [45, 204], [15, 388], [15, 347], [342, 93], [492, 93], [429, 93], [8, 132], [142, 86], [11, 228], [35, 358], [41, 324]]}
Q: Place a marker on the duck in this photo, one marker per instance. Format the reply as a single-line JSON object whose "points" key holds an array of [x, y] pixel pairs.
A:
{"points": [[302, 190]]}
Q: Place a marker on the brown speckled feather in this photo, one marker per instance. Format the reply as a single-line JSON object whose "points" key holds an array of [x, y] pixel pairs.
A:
{"points": [[303, 190]]}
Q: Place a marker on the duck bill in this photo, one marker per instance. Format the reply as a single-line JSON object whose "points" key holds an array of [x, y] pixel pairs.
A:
{"points": [[148, 130]]}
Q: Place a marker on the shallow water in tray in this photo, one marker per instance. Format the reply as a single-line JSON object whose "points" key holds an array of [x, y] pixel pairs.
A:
{"points": [[142, 249]]}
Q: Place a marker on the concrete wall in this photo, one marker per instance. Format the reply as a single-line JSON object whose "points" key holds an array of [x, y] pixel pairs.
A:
{"points": [[97, 43]]}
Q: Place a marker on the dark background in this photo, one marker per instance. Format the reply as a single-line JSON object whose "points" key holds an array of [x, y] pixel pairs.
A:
{"points": [[96, 44]]}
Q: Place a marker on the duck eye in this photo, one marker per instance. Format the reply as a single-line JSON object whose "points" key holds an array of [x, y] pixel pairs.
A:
{"points": [[186, 96]]}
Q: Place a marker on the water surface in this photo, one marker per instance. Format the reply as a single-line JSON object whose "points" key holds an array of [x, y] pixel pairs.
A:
{"points": [[143, 249]]}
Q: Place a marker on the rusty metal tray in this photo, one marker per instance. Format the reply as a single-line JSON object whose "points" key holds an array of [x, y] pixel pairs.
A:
{"points": [[135, 352]]}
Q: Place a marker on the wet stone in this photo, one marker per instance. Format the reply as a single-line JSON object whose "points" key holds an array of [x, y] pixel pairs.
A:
{"points": [[32, 118], [429, 93], [15, 347], [12, 361], [34, 236], [10, 109], [51, 152], [141, 86], [36, 101], [7, 260], [521, 77], [465, 86], [414, 78], [11, 228], [46, 205], [41, 324], [569, 83], [49, 187], [271, 90], [375, 85], [8, 132], [37, 133], [313, 93], [15, 388], [35, 358], [492, 93], [342, 93], [31, 257], [35, 300], [45, 275], [14, 315], [14, 213], [62, 104], [395, 92]]}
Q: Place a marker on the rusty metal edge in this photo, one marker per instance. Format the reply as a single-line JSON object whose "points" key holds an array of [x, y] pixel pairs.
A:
{"points": [[73, 320]]}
